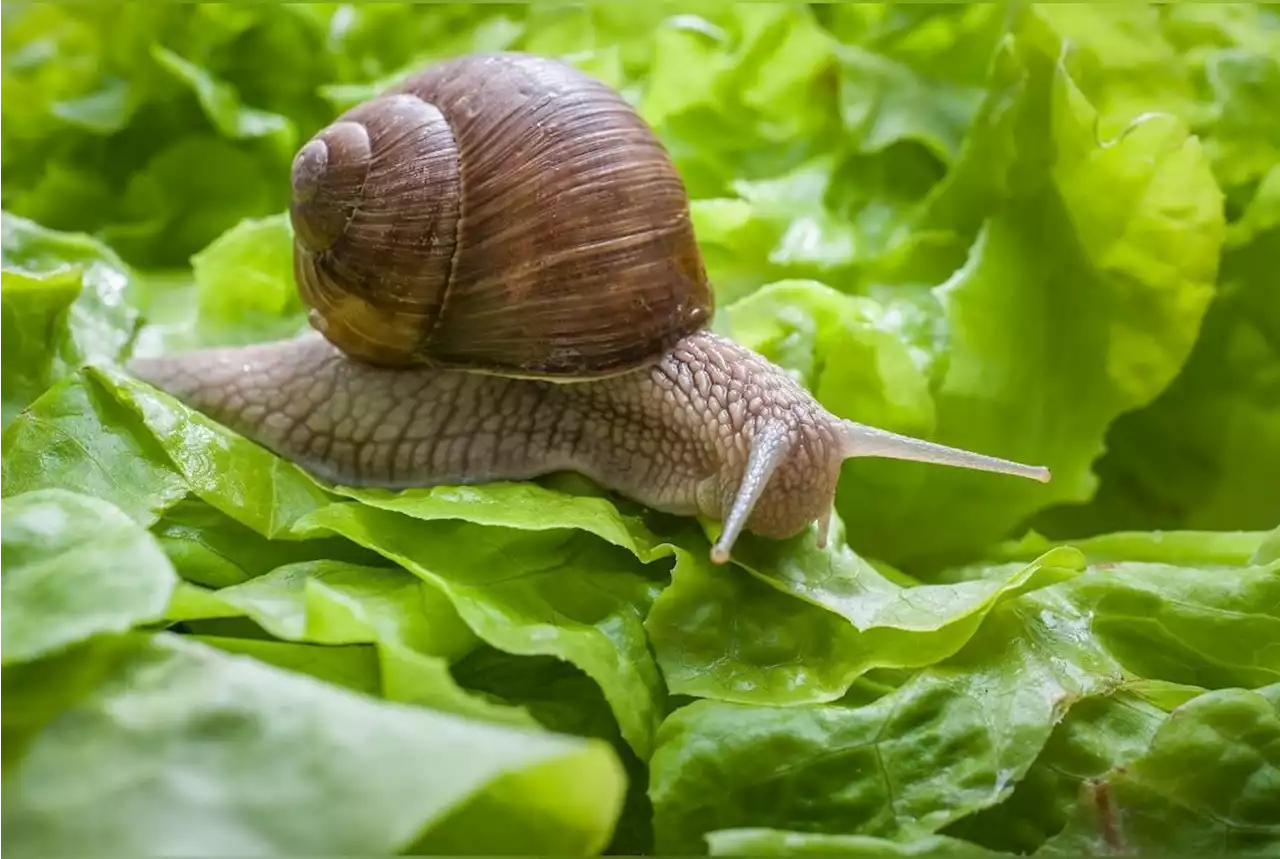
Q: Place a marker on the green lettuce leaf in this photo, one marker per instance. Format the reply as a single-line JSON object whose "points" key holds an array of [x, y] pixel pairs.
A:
{"points": [[331, 602], [63, 300], [221, 103], [165, 449], [1123, 60], [170, 125], [1208, 782], [1121, 776], [1086, 300], [776, 842], [241, 290], [562, 698], [31, 305], [1210, 621], [211, 549], [842, 582], [1199, 623], [519, 506], [1199, 549], [923, 362], [1098, 734], [1184, 625], [555, 592], [245, 284], [752, 107], [904, 98], [1232, 53], [969, 733], [187, 194], [954, 738], [885, 101], [774, 228], [179, 747], [80, 438], [1269, 550], [1204, 455], [730, 634], [947, 47], [229, 472], [412, 630], [723, 634], [196, 457], [75, 567], [353, 667]]}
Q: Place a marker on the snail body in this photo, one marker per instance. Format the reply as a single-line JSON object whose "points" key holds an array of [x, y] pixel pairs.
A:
{"points": [[550, 316]]}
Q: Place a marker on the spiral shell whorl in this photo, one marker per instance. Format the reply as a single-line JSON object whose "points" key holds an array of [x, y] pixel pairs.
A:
{"points": [[500, 212], [328, 176], [375, 214]]}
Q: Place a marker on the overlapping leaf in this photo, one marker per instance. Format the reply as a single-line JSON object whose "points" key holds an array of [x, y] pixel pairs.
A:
{"points": [[182, 748], [75, 567]]}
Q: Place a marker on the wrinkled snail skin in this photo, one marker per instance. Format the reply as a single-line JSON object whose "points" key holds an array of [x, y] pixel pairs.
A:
{"points": [[675, 437], [712, 428], [500, 266]]}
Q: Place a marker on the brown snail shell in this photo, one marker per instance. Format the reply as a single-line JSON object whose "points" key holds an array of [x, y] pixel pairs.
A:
{"points": [[497, 212]]}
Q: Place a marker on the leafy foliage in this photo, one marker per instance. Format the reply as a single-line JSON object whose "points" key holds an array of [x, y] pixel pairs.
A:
{"points": [[1044, 232]]}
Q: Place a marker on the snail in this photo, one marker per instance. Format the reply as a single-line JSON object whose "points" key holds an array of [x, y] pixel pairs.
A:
{"points": [[500, 268]]}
